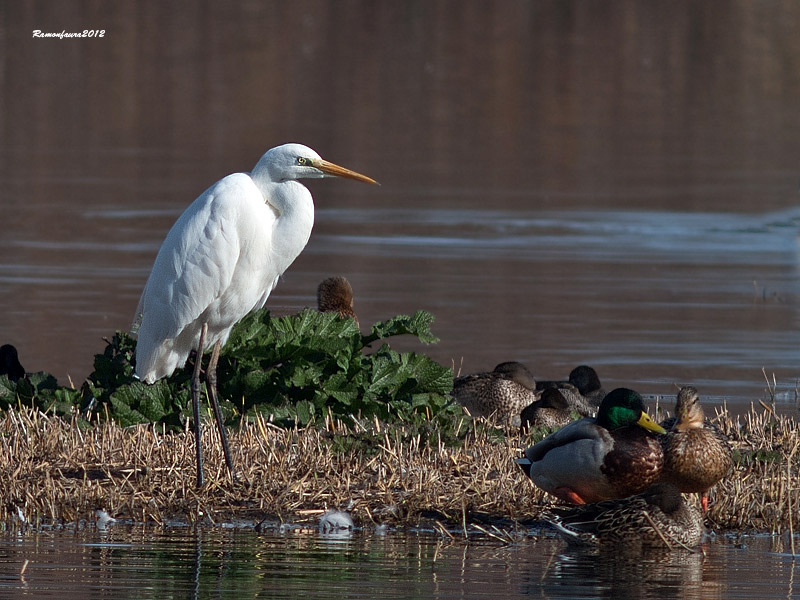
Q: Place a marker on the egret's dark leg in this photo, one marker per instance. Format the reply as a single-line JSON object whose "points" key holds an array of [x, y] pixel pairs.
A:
{"points": [[211, 385], [196, 388]]}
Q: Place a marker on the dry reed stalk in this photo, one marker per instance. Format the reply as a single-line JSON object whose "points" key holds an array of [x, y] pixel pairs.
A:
{"points": [[789, 480], [55, 470]]}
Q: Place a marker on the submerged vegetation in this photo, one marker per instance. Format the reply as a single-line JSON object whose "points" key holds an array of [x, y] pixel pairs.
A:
{"points": [[321, 417]]}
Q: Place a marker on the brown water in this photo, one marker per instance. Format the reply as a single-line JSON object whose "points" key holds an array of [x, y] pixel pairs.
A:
{"points": [[178, 562], [562, 182]]}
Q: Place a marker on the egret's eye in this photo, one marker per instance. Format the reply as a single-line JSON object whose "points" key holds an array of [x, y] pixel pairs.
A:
{"points": [[303, 162]]}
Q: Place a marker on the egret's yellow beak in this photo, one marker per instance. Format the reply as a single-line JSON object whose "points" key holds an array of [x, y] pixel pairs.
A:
{"points": [[334, 170]]}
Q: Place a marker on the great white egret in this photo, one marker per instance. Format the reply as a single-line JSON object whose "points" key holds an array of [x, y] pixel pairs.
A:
{"points": [[335, 294], [220, 261]]}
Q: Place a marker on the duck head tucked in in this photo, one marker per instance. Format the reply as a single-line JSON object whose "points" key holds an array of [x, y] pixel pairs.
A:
{"points": [[552, 410], [501, 393], [657, 517], [583, 390], [593, 459], [587, 381], [517, 372], [335, 294], [9, 363]]}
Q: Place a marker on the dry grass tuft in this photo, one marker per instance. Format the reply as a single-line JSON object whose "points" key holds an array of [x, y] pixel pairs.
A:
{"points": [[763, 493], [54, 470]]}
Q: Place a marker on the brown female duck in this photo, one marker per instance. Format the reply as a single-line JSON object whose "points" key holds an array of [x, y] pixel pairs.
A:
{"points": [[552, 410], [335, 294], [696, 454], [501, 393], [658, 517]]}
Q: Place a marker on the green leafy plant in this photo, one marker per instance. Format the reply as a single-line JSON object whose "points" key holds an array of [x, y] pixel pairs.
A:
{"points": [[38, 390], [295, 369]]}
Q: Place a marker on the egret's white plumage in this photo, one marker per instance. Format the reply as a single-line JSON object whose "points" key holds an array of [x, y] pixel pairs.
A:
{"points": [[220, 262], [224, 255]]}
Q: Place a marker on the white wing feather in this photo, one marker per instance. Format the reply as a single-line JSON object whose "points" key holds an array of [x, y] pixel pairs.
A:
{"points": [[214, 267]]}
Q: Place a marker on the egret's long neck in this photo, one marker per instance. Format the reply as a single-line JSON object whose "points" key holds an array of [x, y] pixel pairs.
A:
{"points": [[293, 206]]}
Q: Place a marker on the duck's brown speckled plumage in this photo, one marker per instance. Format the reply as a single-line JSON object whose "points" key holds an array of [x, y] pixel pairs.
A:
{"points": [[582, 390], [552, 411], [335, 294], [697, 455], [501, 393], [658, 517], [603, 458], [635, 461]]}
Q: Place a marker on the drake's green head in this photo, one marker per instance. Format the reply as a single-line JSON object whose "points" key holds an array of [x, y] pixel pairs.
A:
{"points": [[622, 407]]}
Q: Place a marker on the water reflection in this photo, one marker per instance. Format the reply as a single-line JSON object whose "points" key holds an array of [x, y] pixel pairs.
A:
{"points": [[135, 561], [630, 575], [650, 299]]}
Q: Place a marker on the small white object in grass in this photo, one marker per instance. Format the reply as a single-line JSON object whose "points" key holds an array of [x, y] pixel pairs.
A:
{"points": [[334, 520], [103, 519], [18, 515]]}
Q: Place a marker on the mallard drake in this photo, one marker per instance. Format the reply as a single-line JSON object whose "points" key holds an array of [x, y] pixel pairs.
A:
{"points": [[501, 393], [657, 517], [696, 454], [582, 390], [551, 410], [9, 363], [335, 294], [612, 456]]}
